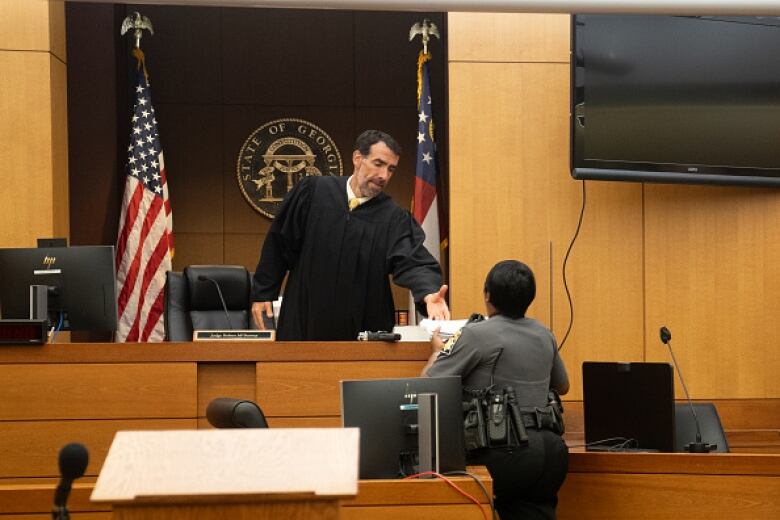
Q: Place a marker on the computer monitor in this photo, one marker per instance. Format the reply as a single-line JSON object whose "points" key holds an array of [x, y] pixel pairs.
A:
{"points": [[81, 283], [384, 411], [628, 406]]}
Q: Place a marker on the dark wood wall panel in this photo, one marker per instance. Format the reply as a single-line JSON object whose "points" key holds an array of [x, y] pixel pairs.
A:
{"points": [[194, 162], [93, 154], [217, 74], [288, 57], [198, 248], [243, 249], [183, 55]]}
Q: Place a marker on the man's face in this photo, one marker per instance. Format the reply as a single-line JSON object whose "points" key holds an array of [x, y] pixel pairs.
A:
{"points": [[373, 171]]}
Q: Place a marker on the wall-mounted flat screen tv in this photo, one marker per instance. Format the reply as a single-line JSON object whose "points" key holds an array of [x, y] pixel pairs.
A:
{"points": [[676, 99]]}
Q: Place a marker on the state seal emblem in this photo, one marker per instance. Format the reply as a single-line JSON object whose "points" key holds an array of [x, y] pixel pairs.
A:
{"points": [[278, 155]]}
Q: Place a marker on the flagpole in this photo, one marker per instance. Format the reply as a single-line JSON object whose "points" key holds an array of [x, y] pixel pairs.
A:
{"points": [[425, 204], [145, 233]]}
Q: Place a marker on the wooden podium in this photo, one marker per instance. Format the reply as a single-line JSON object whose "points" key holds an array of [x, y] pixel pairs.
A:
{"points": [[237, 474]]}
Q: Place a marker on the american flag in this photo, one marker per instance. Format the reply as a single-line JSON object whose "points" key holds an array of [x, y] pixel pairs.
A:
{"points": [[145, 242], [425, 208]]}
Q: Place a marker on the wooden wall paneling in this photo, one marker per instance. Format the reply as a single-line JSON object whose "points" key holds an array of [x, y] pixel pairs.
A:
{"points": [[312, 389], [60, 194], [31, 448], [753, 441], [57, 40], [604, 273], [197, 248], [183, 58], [98, 122], [509, 154], [305, 422], [235, 380], [97, 391], [107, 515], [24, 25], [26, 151], [193, 164], [375, 492], [508, 37], [243, 249], [695, 497], [497, 188], [751, 425], [749, 414], [289, 422], [256, 510], [288, 57], [713, 279], [380, 31], [421, 512]]}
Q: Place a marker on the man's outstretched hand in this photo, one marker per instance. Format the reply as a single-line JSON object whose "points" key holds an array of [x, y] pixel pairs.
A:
{"points": [[436, 305]]}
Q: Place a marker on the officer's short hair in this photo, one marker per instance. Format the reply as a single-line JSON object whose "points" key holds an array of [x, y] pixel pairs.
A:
{"points": [[512, 288]]}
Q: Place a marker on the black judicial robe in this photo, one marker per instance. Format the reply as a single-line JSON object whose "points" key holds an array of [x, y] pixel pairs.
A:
{"points": [[339, 262]]}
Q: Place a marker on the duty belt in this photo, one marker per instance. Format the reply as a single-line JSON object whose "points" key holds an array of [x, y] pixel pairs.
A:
{"points": [[539, 418]]}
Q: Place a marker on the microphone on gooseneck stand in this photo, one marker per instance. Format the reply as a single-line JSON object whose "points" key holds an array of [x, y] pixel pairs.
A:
{"points": [[691, 447], [202, 278], [73, 462]]}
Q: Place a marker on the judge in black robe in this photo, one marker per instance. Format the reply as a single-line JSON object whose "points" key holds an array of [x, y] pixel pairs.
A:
{"points": [[339, 260]]}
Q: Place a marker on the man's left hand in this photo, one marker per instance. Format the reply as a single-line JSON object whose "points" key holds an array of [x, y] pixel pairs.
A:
{"points": [[436, 305]]}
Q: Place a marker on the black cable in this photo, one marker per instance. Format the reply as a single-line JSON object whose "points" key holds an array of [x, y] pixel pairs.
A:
{"points": [[476, 479], [620, 443], [565, 262]]}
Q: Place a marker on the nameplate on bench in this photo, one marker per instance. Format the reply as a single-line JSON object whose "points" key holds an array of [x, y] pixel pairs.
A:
{"points": [[234, 335]]}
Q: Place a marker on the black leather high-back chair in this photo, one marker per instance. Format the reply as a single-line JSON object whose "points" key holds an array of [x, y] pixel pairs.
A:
{"points": [[227, 412], [192, 301], [709, 421]]}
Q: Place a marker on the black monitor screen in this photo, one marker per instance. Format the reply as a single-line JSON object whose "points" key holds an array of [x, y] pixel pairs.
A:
{"points": [[384, 411], [676, 98], [628, 405], [81, 285]]}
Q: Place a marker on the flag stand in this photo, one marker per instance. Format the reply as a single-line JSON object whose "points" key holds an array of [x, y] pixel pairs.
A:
{"points": [[424, 204]]}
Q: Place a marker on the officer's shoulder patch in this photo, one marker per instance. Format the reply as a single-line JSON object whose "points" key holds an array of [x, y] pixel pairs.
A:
{"points": [[447, 349]]}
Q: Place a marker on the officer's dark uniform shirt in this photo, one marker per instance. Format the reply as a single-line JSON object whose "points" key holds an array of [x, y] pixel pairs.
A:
{"points": [[529, 362], [526, 479]]}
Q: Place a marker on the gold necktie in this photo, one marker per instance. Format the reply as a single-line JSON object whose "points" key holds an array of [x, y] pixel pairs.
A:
{"points": [[354, 203]]}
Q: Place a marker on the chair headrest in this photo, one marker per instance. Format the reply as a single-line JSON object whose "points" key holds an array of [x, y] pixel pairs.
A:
{"points": [[233, 280], [226, 412]]}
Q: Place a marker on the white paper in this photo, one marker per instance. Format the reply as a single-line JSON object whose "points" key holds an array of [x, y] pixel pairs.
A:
{"points": [[448, 327]]}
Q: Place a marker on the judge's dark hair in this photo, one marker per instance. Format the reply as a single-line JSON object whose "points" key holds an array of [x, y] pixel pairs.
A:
{"points": [[369, 138], [511, 287]]}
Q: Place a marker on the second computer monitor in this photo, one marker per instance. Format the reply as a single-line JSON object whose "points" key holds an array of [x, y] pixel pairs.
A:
{"points": [[628, 405]]}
